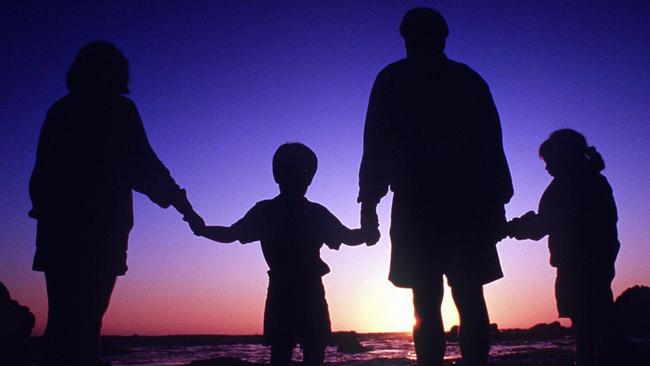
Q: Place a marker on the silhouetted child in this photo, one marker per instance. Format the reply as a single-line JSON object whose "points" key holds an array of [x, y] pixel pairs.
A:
{"points": [[578, 213], [292, 230], [16, 323]]}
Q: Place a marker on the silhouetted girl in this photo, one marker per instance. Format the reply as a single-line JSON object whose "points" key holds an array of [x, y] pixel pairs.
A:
{"points": [[578, 213]]}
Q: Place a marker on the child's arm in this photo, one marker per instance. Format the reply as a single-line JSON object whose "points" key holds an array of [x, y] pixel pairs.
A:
{"points": [[221, 234], [245, 230], [529, 226]]}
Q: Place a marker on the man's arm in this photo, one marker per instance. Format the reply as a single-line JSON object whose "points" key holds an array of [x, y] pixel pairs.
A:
{"points": [[373, 176], [495, 171]]}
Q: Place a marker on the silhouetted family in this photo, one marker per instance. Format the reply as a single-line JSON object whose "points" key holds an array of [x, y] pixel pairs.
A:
{"points": [[432, 136]]}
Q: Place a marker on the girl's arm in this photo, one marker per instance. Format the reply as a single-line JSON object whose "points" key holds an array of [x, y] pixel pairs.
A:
{"points": [[529, 226]]}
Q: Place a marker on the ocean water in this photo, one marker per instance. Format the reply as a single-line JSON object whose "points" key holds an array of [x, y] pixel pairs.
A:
{"points": [[396, 349]]}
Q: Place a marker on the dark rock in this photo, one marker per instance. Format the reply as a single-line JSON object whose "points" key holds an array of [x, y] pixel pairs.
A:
{"points": [[347, 342], [632, 309]]}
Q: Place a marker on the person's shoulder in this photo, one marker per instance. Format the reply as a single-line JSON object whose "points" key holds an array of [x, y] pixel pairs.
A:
{"points": [[267, 205], [553, 188], [63, 103], [319, 210], [394, 67], [463, 71], [601, 183], [124, 102]]}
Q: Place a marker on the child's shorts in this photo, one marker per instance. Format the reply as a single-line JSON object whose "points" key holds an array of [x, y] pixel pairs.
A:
{"points": [[296, 310]]}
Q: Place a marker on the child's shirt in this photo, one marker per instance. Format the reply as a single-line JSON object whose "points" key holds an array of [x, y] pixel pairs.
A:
{"points": [[579, 215], [291, 235]]}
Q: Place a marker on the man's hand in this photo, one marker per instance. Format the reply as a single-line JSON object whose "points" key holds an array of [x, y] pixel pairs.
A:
{"points": [[371, 236], [370, 223]]}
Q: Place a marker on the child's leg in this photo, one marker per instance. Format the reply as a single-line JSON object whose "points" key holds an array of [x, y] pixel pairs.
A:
{"points": [[281, 352]]}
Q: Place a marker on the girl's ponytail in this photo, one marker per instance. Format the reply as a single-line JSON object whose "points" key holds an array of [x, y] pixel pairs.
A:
{"points": [[595, 159]]}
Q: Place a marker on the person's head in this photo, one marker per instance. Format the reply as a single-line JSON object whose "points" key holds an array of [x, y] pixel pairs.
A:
{"points": [[99, 68], [294, 167], [566, 152], [4, 294], [424, 30]]}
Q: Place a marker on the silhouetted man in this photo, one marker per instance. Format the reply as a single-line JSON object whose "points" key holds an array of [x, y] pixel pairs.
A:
{"points": [[92, 153], [433, 136]]}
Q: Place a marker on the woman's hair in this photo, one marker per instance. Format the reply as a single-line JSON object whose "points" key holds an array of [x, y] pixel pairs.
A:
{"points": [[99, 68], [570, 145]]}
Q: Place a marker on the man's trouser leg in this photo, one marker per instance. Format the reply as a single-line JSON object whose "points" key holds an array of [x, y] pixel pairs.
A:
{"points": [[474, 337], [428, 332], [282, 351]]}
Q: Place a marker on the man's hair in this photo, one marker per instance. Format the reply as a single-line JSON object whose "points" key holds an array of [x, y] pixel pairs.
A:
{"points": [[423, 22], [99, 67], [294, 160]]}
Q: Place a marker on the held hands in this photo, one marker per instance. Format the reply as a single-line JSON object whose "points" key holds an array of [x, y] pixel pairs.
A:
{"points": [[519, 226], [182, 204], [370, 224], [196, 222]]}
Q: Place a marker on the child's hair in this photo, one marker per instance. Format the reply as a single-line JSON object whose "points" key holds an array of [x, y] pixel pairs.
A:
{"points": [[294, 160], [569, 145]]}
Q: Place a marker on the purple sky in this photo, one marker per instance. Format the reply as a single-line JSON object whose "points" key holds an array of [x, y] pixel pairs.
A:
{"points": [[220, 85]]}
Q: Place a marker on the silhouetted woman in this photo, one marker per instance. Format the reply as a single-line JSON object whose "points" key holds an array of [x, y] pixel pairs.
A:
{"points": [[92, 153], [578, 213]]}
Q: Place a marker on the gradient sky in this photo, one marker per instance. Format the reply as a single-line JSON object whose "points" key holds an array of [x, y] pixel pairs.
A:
{"points": [[221, 84]]}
